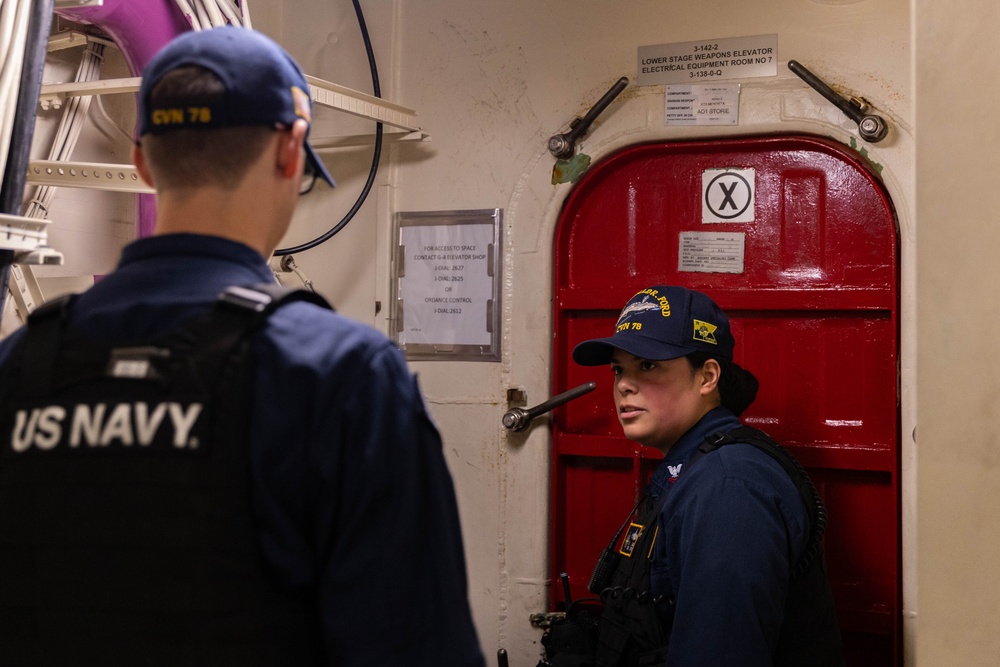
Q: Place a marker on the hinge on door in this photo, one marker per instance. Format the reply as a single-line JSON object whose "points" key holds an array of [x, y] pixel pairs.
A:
{"points": [[546, 619]]}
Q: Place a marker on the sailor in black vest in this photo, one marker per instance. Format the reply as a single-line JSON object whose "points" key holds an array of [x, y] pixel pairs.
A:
{"points": [[251, 479], [721, 563]]}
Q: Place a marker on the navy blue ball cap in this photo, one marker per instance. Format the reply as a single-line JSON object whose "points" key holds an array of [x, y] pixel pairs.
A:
{"points": [[264, 86], [663, 322]]}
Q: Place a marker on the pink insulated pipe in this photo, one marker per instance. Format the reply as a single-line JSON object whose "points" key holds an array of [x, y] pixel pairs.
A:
{"points": [[140, 28]]}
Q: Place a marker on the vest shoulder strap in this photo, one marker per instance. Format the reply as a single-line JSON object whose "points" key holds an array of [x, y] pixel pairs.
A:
{"points": [[815, 508], [238, 311], [265, 298], [45, 325]]}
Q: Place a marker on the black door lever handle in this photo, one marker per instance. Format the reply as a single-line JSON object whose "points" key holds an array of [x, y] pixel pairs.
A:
{"points": [[518, 419], [872, 127], [563, 146]]}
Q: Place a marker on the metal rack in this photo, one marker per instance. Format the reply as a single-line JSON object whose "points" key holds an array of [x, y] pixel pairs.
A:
{"points": [[123, 178]]}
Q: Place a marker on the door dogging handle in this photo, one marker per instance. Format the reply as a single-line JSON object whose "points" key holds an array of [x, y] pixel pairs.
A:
{"points": [[872, 127], [518, 419], [563, 146]]}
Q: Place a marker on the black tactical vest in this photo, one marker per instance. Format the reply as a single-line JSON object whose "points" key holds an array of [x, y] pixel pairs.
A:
{"points": [[634, 628], [126, 530]]}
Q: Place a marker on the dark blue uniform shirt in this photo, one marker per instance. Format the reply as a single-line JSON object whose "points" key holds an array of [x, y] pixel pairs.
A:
{"points": [[730, 531], [351, 492]]}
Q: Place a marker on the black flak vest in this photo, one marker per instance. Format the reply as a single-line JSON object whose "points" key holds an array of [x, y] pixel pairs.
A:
{"points": [[634, 628], [126, 528]]}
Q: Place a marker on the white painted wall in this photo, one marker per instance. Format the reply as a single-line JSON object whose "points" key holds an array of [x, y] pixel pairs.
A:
{"points": [[492, 81], [959, 360], [325, 38]]}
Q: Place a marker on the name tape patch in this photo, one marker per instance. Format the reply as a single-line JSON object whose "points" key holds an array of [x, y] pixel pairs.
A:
{"points": [[105, 426]]}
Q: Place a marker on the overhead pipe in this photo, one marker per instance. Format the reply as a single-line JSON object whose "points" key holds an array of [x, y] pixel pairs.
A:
{"points": [[139, 29]]}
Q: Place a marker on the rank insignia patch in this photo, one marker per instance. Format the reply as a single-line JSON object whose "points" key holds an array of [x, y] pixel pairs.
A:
{"points": [[631, 537]]}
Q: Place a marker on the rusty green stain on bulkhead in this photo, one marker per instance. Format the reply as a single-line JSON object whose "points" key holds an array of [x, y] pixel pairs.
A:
{"points": [[864, 153], [570, 171]]}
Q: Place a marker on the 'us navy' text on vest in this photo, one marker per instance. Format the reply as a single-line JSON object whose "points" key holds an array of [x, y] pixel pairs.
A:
{"points": [[102, 424]]}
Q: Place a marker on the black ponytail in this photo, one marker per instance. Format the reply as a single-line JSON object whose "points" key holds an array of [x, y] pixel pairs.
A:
{"points": [[737, 386]]}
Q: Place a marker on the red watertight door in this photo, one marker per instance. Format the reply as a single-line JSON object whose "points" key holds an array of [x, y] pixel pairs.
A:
{"points": [[795, 238]]}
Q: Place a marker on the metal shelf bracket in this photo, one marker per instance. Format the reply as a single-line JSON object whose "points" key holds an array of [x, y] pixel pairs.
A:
{"points": [[323, 93]]}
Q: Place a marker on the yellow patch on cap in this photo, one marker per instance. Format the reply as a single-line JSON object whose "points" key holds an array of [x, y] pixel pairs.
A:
{"points": [[705, 332], [181, 116], [303, 105]]}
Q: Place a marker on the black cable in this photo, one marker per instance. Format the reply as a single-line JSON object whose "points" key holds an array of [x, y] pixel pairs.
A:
{"points": [[375, 158], [16, 168]]}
